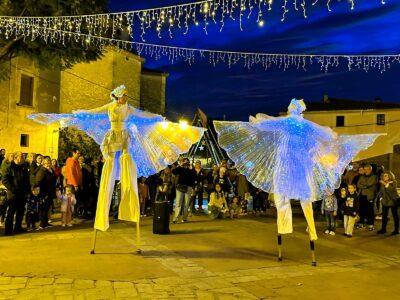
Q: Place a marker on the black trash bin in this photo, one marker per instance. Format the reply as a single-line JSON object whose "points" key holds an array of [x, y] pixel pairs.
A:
{"points": [[161, 218]]}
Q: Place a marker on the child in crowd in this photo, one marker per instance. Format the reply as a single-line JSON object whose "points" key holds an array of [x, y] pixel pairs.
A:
{"points": [[217, 206], [329, 209], [144, 195], [341, 201], [68, 202], [243, 204], [33, 203], [350, 210], [236, 209], [249, 202]]}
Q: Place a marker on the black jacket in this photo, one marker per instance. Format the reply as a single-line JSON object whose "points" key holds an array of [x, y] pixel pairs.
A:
{"points": [[33, 168], [351, 205], [47, 182], [199, 179], [223, 182], [186, 176], [16, 179]]}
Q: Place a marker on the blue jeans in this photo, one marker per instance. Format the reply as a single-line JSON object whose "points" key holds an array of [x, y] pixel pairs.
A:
{"points": [[330, 220], [182, 200]]}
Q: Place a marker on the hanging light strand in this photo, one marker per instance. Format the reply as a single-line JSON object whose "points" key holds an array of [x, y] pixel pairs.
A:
{"points": [[169, 19], [248, 60]]}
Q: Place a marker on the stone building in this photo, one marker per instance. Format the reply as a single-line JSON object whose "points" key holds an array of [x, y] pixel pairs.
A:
{"points": [[346, 116], [87, 85]]}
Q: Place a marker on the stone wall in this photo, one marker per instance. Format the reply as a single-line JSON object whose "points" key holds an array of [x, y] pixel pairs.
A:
{"points": [[88, 85], [14, 122], [152, 92]]}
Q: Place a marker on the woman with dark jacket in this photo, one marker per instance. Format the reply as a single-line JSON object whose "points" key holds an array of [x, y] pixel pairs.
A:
{"points": [[223, 180], [388, 191], [46, 180]]}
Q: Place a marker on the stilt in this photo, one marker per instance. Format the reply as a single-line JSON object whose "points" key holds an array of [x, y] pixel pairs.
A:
{"points": [[312, 248], [279, 247], [94, 242], [138, 242]]}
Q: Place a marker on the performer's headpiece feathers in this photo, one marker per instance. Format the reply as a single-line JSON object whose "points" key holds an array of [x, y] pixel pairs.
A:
{"points": [[119, 92], [296, 107]]}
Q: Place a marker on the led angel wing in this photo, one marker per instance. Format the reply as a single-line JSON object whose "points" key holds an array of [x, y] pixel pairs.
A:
{"points": [[251, 150], [350, 145], [94, 125], [290, 156], [160, 144], [154, 142]]}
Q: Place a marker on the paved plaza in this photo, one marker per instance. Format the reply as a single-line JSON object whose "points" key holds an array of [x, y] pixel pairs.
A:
{"points": [[201, 259]]}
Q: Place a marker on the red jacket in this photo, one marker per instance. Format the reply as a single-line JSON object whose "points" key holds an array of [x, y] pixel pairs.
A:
{"points": [[73, 172]]}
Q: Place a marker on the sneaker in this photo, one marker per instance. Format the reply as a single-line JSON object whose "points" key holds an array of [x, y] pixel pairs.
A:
{"points": [[332, 233], [40, 228], [327, 231], [349, 236], [378, 218], [63, 225], [69, 225], [381, 231], [395, 233], [345, 234]]}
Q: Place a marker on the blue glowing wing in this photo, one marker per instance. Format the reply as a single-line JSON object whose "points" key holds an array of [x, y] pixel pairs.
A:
{"points": [[156, 145], [94, 125], [350, 145], [251, 149]]}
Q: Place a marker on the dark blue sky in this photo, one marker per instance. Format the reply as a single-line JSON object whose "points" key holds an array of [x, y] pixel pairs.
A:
{"points": [[371, 28]]}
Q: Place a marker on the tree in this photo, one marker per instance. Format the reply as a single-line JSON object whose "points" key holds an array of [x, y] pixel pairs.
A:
{"points": [[47, 56], [71, 138]]}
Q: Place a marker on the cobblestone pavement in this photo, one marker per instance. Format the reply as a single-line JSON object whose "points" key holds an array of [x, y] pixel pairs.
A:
{"points": [[188, 277]]}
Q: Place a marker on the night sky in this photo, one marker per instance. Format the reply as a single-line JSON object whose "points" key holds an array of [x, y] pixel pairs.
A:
{"points": [[371, 28]]}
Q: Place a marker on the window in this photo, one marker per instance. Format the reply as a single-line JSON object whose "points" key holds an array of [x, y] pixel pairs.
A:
{"points": [[339, 121], [26, 91], [380, 119], [24, 142]]}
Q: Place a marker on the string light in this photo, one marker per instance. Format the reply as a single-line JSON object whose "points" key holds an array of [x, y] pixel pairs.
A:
{"points": [[168, 18], [248, 60], [183, 124]]}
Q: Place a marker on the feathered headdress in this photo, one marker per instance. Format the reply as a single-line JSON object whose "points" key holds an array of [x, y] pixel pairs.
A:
{"points": [[118, 92], [296, 107]]}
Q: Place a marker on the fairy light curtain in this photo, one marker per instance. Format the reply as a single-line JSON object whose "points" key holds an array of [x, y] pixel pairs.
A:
{"points": [[163, 19]]}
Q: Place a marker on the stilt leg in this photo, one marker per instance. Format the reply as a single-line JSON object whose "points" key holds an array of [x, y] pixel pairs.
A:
{"points": [[138, 241], [312, 248], [279, 247], [94, 242]]}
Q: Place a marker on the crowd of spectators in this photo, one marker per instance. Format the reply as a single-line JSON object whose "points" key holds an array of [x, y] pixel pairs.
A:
{"points": [[366, 194], [33, 185], [188, 186]]}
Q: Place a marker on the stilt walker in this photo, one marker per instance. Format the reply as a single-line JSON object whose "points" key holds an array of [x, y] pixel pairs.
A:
{"points": [[291, 157], [134, 143]]}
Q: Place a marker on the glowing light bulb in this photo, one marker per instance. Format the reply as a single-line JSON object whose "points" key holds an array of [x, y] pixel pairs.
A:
{"points": [[183, 124], [196, 23], [261, 23], [164, 125]]}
